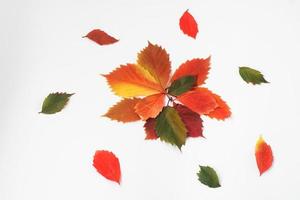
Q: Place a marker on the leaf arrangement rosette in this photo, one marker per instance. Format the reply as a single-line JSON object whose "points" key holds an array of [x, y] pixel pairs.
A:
{"points": [[171, 106]]}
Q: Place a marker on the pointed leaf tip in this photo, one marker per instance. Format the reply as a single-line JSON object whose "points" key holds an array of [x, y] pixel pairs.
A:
{"points": [[188, 24], [263, 155], [100, 37]]}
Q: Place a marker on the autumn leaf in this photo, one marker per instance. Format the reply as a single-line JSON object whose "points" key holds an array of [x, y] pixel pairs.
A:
{"points": [[170, 128], [195, 67], [253, 76], [188, 25], [264, 155], [150, 106], [199, 100], [107, 164], [208, 176], [55, 102], [222, 111], [182, 85], [124, 111], [150, 129], [191, 120], [100, 37]]}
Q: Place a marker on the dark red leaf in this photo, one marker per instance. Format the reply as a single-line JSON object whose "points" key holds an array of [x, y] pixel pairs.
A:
{"points": [[150, 129], [188, 24], [100, 37]]}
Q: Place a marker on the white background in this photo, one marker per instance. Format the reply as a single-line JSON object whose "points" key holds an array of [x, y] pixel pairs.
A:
{"points": [[50, 156]]}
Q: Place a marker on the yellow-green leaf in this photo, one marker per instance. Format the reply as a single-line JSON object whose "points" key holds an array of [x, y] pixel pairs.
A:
{"points": [[208, 176], [55, 102], [253, 76]]}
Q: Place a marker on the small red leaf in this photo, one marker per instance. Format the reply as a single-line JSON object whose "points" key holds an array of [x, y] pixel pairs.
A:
{"points": [[100, 37], [107, 164], [264, 155], [191, 120], [150, 129], [188, 24]]}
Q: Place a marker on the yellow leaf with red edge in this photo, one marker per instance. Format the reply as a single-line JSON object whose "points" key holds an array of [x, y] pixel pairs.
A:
{"points": [[129, 81], [155, 60], [195, 67], [263, 155], [222, 111], [199, 100], [124, 111], [150, 106]]}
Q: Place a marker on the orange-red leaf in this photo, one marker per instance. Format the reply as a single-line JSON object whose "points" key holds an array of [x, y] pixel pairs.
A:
{"points": [[188, 25], [107, 164], [222, 111], [150, 106], [264, 155], [150, 129], [124, 111], [191, 120], [155, 60], [129, 81], [196, 67], [199, 100], [100, 37]]}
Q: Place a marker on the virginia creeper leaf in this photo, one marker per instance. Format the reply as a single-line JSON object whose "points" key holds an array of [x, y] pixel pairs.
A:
{"points": [[100, 37], [150, 129], [55, 102], [195, 67], [150, 106], [107, 164], [208, 176], [222, 111], [128, 81], [192, 120], [155, 60], [199, 100], [264, 155], [182, 85], [188, 25], [170, 128], [124, 111], [253, 76]]}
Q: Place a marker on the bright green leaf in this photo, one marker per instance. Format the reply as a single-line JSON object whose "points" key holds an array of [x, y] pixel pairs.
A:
{"points": [[252, 76], [208, 176], [170, 128], [182, 85], [55, 102]]}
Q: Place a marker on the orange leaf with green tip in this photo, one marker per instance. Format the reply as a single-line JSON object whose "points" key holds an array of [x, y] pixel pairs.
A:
{"points": [[263, 155]]}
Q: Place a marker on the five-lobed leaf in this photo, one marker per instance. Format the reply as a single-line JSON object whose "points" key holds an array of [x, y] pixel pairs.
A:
{"points": [[208, 176], [100, 37], [182, 85], [263, 155], [170, 128], [55, 102], [253, 76]]}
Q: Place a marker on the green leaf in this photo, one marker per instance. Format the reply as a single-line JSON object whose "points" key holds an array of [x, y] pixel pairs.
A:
{"points": [[252, 76], [55, 102], [182, 85], [170, 128], [208, 176]]}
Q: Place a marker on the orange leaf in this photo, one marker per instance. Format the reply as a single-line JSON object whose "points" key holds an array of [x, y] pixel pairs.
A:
{"points": [[196, 67], [264, 155], [155, 60], [107, 164], [129, 81], [150, 106], [188, 25], [150, 129], [222, 111], [124, 111], [199, 100], [100, 37]]}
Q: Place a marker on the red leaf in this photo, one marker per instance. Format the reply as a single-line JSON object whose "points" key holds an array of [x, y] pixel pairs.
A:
{"points": [[264, 155], [188, 24], [107, 164], [150, 129], [191, 120], [199, 100], [100, 37], [196, 67], [222, 111]]}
